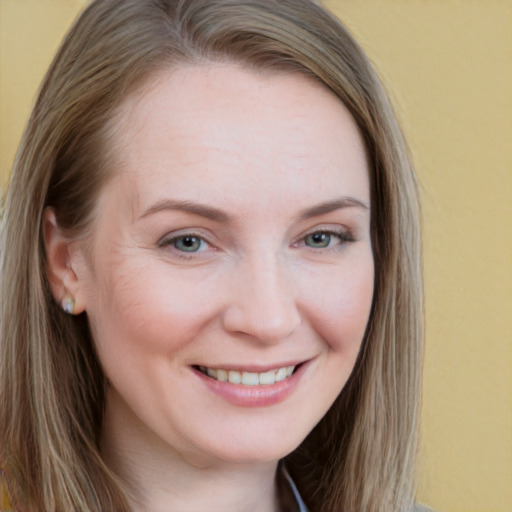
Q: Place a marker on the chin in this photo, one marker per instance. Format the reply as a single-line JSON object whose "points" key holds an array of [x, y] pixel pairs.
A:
{"points": [[264, 447]]}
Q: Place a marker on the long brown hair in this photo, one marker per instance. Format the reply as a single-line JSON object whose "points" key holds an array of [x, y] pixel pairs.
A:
{"points": [[361, 455]]}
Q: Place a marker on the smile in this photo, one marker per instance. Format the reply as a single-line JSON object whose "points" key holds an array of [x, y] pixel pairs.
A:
{"points": [[248, 378]]}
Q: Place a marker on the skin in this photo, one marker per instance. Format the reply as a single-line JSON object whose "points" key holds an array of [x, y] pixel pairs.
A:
{"points": [[264, 150]]}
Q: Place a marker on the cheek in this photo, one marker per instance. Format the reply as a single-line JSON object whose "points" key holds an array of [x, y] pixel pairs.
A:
{"points": [[144, 309], [340, 305]]}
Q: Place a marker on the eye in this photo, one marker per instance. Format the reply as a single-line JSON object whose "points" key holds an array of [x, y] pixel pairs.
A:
{"points": [[318, 240], [326, 239], [188, 243]]}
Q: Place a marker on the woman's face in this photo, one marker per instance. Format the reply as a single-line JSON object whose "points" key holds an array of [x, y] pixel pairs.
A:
{"points": [[229, 275]]}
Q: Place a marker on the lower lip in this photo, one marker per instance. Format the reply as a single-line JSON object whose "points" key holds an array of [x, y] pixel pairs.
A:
{"points": [[253, 396]]}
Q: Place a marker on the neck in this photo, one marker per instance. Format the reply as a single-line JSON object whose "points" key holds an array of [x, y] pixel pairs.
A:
{"points": [[161, 479]]}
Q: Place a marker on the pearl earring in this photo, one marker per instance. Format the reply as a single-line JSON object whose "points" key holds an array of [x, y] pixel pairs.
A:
{"points": [[68, 305]]}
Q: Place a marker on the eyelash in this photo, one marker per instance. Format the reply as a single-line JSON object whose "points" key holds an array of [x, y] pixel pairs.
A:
{"points": [[342, 235]]}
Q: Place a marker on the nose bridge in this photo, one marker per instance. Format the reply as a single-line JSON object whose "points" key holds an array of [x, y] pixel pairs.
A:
{"points": [[263, 304]]}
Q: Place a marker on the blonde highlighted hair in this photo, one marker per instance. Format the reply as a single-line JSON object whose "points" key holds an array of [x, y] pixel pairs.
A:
{"points": [[361, 456]]}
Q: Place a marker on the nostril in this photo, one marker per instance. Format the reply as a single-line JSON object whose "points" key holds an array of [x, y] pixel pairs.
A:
{"points": [[264, 323]]}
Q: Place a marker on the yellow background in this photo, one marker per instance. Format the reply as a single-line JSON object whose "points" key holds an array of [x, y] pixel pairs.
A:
{"points": [[448, 66]]}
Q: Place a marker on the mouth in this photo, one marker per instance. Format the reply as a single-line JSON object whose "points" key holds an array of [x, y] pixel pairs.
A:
{"points": [[247, 378]]}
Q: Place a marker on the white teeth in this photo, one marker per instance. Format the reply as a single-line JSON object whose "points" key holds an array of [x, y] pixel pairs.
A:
{"points": [[268, 377], [281, 374], [222, 375], [234, 377], [248, 378]]}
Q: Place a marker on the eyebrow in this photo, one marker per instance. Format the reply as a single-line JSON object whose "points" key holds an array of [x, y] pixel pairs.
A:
{"points": [[200, 209], [331, 206], [218, 215]]}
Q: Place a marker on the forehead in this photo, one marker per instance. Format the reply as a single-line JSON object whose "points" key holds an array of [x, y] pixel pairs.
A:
{"points": [[225, 128]]}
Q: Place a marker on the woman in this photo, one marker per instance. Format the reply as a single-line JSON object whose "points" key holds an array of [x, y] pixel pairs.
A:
{"points": [[211, 282]]}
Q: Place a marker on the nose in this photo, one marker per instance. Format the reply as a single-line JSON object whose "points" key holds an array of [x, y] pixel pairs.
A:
{"points": [[262, 303]]}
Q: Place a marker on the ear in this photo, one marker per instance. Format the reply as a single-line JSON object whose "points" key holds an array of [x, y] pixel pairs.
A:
{"points": [[62, 259]]}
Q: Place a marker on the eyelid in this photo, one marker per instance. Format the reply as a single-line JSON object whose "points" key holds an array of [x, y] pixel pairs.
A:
{"points": [[182, 233]]}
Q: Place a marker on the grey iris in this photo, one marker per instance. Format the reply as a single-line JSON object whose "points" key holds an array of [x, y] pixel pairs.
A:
{"points": [[318, 240], [188, 243]]}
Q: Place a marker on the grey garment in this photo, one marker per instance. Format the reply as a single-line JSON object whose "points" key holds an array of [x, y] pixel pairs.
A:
{"points": [[302, 506]]}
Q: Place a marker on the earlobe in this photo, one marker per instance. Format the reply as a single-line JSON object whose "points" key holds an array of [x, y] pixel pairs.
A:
{"points": [[61, 263]]}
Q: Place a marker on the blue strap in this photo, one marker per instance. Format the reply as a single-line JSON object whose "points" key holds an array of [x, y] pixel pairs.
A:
{"points": [[300, 502]]}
